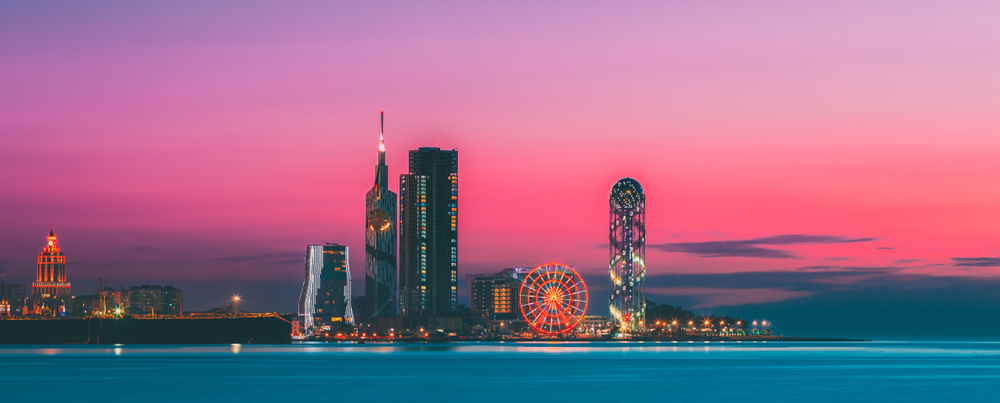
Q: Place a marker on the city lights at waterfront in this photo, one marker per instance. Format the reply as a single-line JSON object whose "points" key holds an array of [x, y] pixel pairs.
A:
{"points": [[571, 201]]}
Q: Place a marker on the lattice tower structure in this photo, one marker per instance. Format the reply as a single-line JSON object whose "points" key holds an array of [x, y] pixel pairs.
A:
{"points": [[627, 267]]}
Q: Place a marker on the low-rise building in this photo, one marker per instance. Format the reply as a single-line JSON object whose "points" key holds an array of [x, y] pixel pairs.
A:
{"points": [[87, 305], [495, 295], [12, 299], [112, 299], [154, 300], [593, 324]]}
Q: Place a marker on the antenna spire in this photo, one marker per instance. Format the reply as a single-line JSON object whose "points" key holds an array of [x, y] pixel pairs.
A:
{"points": [[381, 138], [381, 171]]}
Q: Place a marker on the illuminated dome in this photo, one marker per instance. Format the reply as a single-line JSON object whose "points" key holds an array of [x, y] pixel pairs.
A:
{"points": [[627, 194]]}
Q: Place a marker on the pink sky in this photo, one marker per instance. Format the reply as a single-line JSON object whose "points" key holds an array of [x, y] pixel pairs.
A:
{"points": [[214, 141]]}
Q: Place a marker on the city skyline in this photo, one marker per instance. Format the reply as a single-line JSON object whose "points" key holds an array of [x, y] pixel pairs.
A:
{"points": [[791, 154]]}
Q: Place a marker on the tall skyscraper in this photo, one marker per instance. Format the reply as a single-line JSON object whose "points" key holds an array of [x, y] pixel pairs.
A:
{"points": [[380, 238], [428, 253], [627, 238], [326, 291], [50, 276]]}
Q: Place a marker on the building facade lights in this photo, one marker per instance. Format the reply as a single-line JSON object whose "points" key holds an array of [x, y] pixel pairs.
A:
{"points": [[627, 267], [326, 292], [428, 215]]}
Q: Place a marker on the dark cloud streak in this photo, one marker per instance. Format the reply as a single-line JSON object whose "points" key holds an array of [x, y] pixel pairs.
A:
{"points": [[750, 248], [977, 261]]}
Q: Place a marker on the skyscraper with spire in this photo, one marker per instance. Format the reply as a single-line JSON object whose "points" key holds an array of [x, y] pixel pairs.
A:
{"points": [[380, 238]]}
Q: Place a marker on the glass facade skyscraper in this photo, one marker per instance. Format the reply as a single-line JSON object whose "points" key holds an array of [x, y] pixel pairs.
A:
{"points": [[380, 240], [428, 214], [326, 291]]}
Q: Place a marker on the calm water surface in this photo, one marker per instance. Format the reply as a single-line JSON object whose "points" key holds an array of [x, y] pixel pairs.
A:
{"points": [[903, 371]]}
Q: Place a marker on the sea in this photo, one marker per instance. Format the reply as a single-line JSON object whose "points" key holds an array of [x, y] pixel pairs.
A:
{"points": [[651, 371]]}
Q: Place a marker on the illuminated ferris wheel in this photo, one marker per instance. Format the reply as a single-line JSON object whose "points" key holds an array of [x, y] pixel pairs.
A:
{"points": [[553, 298]]}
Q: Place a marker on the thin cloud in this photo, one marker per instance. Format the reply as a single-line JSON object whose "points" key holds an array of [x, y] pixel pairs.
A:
{"points": [[263, 257], [751, 248], [977, 261], [850, 269], [713, 297], [818, 280]]}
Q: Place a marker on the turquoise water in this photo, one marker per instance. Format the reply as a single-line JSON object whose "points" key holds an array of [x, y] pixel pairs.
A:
{"points": [[902, 371]]}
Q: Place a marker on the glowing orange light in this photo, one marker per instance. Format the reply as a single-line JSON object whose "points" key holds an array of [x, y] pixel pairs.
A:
{"points": [[553, 298]]}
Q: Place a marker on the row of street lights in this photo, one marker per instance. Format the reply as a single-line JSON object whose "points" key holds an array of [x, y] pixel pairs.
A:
{"points": [[672, 325]]}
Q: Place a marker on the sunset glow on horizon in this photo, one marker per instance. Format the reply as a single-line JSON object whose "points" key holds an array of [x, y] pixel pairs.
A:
{"points": [[834, 143]]}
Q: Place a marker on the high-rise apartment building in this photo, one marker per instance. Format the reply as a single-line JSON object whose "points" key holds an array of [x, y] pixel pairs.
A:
{"points": [[428, 253], [380, 239], [326, 291]]}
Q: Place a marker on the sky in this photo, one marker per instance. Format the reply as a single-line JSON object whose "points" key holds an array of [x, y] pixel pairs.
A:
{"points": [[796, 157]]}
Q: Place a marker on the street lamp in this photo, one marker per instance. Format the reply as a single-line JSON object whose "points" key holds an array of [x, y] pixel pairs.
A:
{"points": [[236, 304]]}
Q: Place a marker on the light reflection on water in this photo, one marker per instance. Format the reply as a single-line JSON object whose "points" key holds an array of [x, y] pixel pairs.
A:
{"points": [[510, 371], [878, 348]]}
